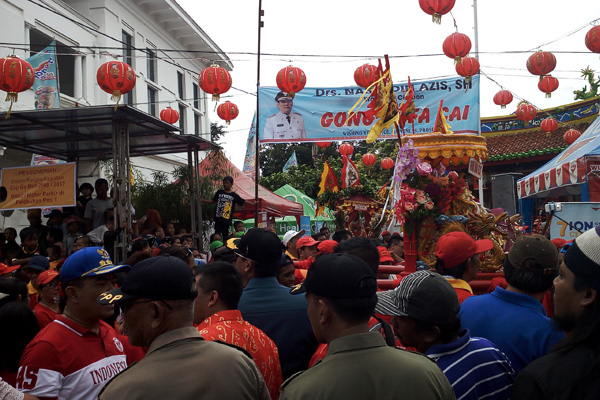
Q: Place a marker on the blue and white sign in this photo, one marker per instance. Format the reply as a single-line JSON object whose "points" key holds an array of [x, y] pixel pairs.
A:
{"points": [[321, 114]]}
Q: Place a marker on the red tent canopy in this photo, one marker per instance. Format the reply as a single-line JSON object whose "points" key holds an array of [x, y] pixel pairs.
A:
{"points": [[268, 201]]}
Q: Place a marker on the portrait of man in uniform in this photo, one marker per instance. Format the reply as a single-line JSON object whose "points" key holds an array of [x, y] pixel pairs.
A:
{"points": [[285, 124]]}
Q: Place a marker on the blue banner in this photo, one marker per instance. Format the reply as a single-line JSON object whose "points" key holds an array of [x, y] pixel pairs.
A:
{"points": [[250, 159], [45, 86], [321, 114], [292, 162]]}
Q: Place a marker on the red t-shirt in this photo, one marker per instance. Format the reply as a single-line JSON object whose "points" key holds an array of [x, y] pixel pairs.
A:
{"points": [[228, 326], [67, 361], [43, 314]]}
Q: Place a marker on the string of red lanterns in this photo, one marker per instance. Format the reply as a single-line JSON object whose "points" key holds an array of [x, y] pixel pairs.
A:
{"points": [[227, 111], [215, 80], [169, 115], [549, 125], [571, 136], [291, 80], [502, 98], [456, 46]]}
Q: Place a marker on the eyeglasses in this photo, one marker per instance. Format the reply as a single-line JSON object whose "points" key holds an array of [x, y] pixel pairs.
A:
{"points": [[244, 257], [124, 306]]}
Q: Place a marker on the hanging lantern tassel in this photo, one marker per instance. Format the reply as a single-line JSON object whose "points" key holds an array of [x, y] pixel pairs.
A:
{"points": [[12, 97], [116, 96], [216, 97], [436, 18]]}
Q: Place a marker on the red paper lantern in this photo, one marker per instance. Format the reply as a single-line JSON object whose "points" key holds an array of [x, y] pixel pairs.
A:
{"points": [[387, 163], [456, 46], [369, 159], [16, 76], [291, 80], [571, 135], [116, 78], [365, 75], [169, 115], [215, 80], [548, 84], [592, 39], [227, 111], [541, 63], [436, 8], [346, 149], [526, 112], [323, 145], [467, 67], [549, 125], [502, 98]]}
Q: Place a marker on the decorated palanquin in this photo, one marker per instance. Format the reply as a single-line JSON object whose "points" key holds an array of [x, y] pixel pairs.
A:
{"points": [[449, 149], [361, 214]]}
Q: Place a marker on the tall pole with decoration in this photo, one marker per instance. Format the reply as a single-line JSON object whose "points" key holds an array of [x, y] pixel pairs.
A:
{"points": [[476, 36]]}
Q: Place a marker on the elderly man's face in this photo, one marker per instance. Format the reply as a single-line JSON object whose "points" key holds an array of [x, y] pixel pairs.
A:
{"points": [[285, 106]]}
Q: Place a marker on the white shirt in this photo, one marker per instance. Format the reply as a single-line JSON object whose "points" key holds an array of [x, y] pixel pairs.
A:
{"points": [[279, 127]]}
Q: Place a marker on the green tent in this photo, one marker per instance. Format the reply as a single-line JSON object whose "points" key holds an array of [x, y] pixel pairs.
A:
{"points": [[287, 223]]}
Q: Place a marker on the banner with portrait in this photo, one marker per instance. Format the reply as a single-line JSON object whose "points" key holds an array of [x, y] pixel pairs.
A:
{"points": [[321, 114]]}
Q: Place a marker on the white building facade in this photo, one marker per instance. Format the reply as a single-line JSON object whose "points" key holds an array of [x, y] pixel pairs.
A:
{"points": [[162, 43]]}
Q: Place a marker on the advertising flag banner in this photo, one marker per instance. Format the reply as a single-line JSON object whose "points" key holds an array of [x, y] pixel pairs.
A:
{"points": [[45, 86], [39, 187], [350, 176], [292, 162], [250, 158], [321, 114]]}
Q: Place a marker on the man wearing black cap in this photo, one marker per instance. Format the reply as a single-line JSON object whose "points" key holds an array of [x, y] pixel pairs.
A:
{"points": [[285, 124], [515, 319], [156, 300], [572, 369], [341, 294], [268, 305]]}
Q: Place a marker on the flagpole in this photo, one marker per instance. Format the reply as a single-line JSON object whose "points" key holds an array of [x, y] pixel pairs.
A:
{"points": [[261, 13], [476, 36]]}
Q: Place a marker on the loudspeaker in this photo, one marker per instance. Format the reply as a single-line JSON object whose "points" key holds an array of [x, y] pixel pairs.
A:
{"points": [[504, 192]]}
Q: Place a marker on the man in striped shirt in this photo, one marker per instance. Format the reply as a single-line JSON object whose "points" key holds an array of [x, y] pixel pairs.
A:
{"points": [[425, 307]]}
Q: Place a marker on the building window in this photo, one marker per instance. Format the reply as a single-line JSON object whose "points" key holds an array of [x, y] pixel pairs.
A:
{"points": [[182, 110], [127, 40], [65, 60], [197, 124], [180, 85], [196, 96], [151, 64], [152, 101]]}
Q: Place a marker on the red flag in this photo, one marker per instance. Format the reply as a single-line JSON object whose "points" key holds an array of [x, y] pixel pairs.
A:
{"points": [[407, 108], [350, 176]]}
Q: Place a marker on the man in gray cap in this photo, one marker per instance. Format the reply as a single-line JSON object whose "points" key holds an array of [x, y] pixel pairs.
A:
{"points": [[341, 294], [285, 124], [424, 307], [514, 318], [157, 302], [572, 369]]}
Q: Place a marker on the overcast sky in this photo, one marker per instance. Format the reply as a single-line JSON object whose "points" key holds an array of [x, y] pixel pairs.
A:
{"points": [[329, 39]]}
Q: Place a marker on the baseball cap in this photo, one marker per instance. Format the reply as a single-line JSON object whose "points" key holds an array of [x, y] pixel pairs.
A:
{"points": [[89, 261], [384, 254], [326, 246], [72, 220], [536, 248], [558, 242], [261, 246], [40, 263], [305, 241], [47, 277], [385, 233], [215, 245], [5, 269], [54, 214], [232, 243], [455, 248], [164, 277], [423, 295], [282, 96], [583, 257], [339, 276], [289, 235]]}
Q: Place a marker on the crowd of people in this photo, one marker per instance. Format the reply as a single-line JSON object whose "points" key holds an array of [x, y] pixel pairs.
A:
{"points": [[302, 317]]}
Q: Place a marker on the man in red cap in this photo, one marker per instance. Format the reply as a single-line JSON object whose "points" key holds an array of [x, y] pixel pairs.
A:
{"points": [[458, 260], [47, 307], [307, 247], [386, 236]]}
